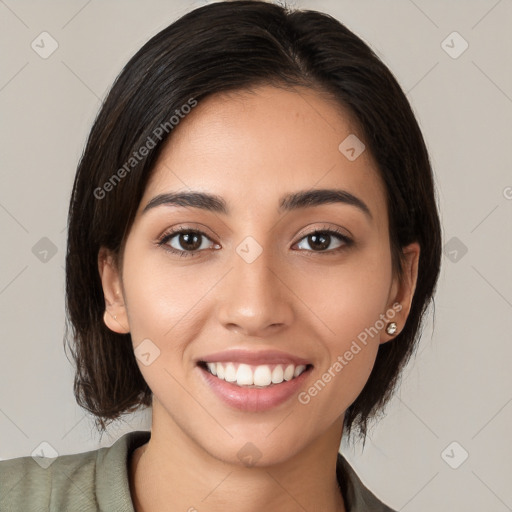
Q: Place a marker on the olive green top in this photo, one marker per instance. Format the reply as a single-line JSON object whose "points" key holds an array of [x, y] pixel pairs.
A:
{"points": [[97, 480]]}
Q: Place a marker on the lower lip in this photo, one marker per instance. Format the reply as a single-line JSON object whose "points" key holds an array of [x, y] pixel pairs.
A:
{"points": [[254, 399]]}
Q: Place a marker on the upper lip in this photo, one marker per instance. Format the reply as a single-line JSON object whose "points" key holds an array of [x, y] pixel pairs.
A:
{"points": [[254, 357]]}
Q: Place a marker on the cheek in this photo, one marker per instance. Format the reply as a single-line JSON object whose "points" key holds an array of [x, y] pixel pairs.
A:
{"points": [[337, 386], [349, 297], [160, 304], [352, 297], [160, 298]]}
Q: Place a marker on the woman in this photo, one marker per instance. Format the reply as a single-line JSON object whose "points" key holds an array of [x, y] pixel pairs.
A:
{"points": [[253, 242]]}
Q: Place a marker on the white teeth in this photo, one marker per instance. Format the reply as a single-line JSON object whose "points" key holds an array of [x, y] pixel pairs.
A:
{"points": [[288, 373], [230, 375], [260, 376], [278, 375], [299, 370], [244, 375], [212, 367]]}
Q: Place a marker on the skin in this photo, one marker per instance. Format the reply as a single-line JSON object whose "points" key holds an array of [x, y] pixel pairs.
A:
{"points": [[252, 147]]}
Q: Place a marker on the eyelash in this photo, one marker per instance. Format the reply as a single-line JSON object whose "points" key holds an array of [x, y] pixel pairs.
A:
{"points": [[162, 241]]}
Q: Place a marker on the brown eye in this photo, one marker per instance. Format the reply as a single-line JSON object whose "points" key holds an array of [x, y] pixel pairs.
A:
{"points": [[320, 241], [185, 242], [189, 241]]}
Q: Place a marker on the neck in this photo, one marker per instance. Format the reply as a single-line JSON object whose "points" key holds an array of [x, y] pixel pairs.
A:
{"points": [[171, 472]]}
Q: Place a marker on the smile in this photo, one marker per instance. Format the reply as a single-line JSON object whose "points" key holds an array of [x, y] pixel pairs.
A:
{"points": [[254, 376], [253, 381]]}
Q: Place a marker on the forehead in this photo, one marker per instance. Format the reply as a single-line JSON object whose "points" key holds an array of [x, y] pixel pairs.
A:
{"points": [[263, 143]]}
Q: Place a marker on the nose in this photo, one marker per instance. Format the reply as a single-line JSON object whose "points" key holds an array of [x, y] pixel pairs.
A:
{"points": [[254, 297]]}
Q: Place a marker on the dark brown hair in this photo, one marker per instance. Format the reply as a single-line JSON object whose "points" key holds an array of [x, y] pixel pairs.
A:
{"points": [[229, 46]]}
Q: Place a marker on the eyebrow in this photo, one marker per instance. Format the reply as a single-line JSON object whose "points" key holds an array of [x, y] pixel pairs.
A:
{"points": [[289, 202]]}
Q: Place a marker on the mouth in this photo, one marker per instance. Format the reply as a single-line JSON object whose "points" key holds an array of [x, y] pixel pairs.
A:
{"points": [[254, 376], [253, 382]]}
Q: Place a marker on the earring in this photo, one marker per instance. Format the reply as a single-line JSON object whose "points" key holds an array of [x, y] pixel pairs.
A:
{"points": [[115, 317], [391, 328]]}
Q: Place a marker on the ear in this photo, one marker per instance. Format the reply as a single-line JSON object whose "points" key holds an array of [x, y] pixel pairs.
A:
{"points": [[402, 291], [115, 316]]}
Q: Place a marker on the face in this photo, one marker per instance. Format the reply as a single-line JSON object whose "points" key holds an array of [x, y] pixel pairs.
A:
{"points": [[287, 298]]}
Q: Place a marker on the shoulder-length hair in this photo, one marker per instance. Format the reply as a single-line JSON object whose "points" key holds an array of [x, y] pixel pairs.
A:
{"points": [[228, 46]]}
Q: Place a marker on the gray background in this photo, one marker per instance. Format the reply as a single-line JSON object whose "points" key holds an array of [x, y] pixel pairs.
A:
{"points": [[458, 387]]}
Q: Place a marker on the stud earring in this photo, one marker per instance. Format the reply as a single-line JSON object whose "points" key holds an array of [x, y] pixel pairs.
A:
{"points": [[115, 317], [391, 328]]}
